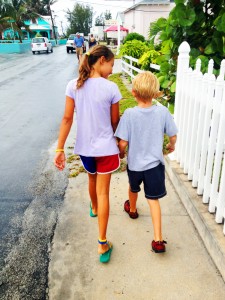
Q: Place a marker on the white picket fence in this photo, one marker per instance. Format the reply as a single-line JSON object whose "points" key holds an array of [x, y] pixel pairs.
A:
{"points": [[200, 117], [129, 69]]}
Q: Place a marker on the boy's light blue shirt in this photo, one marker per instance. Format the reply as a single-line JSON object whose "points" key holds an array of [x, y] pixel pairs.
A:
{"points": [[144, 129]]}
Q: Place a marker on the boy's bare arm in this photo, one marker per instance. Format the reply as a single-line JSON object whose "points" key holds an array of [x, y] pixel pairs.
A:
{"points": [[171, 145], [122, 147]]}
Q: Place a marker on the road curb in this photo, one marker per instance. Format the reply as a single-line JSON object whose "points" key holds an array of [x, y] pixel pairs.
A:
{"points": [[210, 232]]}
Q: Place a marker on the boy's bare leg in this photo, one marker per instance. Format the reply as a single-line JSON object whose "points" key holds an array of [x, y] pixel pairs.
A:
{"points": [[92, 192], [133, 200], [155, 212], [102, 189]]}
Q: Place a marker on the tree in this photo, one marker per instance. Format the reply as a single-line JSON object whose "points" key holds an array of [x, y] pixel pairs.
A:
{"points": [[80, 19], [100, 20], [47, 4], [38, 6], [41, 7], [108, 15], [3, 24], [201, 24], [17, 12]]}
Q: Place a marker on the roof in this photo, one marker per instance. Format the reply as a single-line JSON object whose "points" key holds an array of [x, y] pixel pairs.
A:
{"points": [[149, 2]]}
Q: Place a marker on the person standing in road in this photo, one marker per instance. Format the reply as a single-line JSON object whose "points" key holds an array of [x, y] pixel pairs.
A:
{"points": [[142, 129], [92, 41], [96, 102], [79, 44]]}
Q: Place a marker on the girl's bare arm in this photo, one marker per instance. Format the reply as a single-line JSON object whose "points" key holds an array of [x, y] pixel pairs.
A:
{"points": [[115, 115], [65, 126]]}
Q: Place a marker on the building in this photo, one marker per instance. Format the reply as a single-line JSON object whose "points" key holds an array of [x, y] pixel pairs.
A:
{"points": [[42, 26], [98, 31], [138, 17]]}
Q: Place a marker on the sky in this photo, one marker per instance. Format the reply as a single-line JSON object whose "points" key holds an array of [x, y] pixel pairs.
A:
{"points": [[99, 6]]}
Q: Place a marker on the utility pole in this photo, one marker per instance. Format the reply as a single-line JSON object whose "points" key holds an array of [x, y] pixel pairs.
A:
{"points": [[62, 27], [53, 27]]}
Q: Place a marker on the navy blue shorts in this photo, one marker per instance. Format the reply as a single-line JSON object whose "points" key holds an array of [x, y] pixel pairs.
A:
{"points": [[153, 181]]}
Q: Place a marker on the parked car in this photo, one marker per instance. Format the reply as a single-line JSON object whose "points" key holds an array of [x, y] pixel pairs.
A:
{"points": [[39, 44], [70, 43]]}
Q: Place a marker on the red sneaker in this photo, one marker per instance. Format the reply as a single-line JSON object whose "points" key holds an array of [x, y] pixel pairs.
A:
{"points": [[133, 215], [159, 246]]}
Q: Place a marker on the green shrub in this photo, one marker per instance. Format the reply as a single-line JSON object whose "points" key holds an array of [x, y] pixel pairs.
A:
{"points": [[38, 35], [134, 36], [134, 48], [147, 58]]}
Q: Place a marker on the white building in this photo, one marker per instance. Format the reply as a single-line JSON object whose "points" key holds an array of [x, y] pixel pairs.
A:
{"points": [[138, 17]]}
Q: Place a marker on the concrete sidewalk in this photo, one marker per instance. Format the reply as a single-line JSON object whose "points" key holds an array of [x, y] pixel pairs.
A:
{"points": [[185, 271]]}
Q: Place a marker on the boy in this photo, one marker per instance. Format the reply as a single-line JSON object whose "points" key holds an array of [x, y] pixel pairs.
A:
{"points": [[142, 129]]}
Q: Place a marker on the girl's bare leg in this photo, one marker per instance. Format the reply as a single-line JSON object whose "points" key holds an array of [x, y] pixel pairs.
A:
{"points": [[102, 189], [155, 212], [133, 200], [92, 192]]}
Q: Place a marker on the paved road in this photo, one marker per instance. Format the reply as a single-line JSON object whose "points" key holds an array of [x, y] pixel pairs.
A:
{"points": [[31, 105]]}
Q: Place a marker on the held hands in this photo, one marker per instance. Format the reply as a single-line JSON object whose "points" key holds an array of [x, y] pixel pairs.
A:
{"points": [[122, 154], [170, 147], [60, 160]]}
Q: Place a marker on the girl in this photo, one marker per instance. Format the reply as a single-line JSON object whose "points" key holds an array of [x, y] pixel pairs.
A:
{"points": [[96, 101]]}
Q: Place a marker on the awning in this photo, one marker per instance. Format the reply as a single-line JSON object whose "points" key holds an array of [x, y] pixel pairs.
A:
{"points": [[115, 28]]}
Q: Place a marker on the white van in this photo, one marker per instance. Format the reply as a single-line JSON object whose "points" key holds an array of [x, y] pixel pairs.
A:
{"points": [[39, 44]]}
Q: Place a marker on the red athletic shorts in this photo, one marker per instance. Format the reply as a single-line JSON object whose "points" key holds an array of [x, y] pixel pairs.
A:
{"points": [[102, 164]]}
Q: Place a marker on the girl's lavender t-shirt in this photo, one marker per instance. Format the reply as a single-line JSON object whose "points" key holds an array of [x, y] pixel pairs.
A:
{"points": [[93, 102]]}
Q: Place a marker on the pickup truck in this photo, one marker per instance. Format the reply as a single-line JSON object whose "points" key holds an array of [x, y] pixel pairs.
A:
{"points": [[70, 45]]}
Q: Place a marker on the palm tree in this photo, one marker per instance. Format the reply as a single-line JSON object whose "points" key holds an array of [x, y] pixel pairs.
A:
{"points": [[37, 6], [17, 12], [47, 4], [3, 25]]}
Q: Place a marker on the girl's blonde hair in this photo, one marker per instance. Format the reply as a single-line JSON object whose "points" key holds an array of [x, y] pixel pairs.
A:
{"points": [[89, 59], [146, 86]]}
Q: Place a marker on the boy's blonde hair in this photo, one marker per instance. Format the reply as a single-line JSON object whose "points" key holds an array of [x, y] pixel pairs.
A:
{"points": [[146, 86]]}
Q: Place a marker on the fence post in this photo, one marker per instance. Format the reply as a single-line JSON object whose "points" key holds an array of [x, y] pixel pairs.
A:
{"points": [[122, 67], [206, 130], [195, 119], [203, 96], [218, 159], [213, 140], [220, 203], [182, 66], [131, 64]]}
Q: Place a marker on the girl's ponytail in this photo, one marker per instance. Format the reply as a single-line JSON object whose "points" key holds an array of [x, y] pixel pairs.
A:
{"points": [[84, 71], [89, 59]]}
